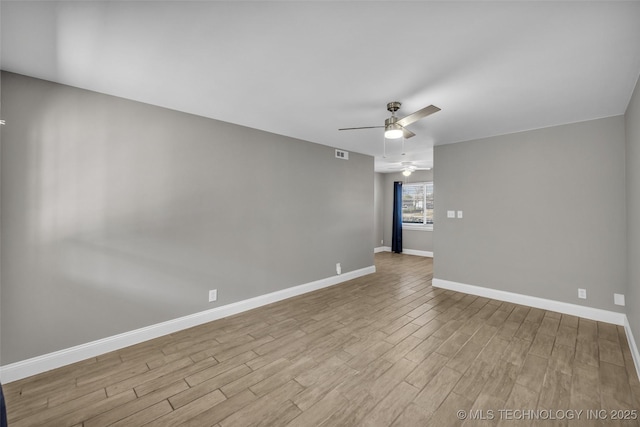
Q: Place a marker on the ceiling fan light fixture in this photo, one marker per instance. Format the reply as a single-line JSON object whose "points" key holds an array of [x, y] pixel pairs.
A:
{"points": [[406, 172], [393, 131]]}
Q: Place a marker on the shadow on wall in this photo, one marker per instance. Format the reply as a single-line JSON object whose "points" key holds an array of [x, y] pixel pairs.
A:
{"points": [[117, 215], [132, 274]]}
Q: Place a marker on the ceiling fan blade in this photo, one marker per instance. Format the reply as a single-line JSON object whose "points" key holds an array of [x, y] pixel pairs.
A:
{"points": [[418, 115], [364, 127], [407, 133]]}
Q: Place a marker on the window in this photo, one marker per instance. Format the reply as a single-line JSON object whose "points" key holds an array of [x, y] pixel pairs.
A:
{"points": [[417, 205]]}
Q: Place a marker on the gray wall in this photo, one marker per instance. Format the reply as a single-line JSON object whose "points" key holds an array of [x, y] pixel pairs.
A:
{"points": [[632, 121], [544, 212], [411, 239], [117, 215]]}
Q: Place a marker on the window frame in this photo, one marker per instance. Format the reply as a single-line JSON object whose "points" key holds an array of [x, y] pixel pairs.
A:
{"points": [[414, 226]]}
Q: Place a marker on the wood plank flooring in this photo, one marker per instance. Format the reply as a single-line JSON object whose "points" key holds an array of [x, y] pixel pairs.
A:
{"points": [[382, 350]]}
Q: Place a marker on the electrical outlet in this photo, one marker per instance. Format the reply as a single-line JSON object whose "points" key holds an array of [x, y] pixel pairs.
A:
{"points": [[338, 268], [618, 299], [582, 293], [213, 295]]}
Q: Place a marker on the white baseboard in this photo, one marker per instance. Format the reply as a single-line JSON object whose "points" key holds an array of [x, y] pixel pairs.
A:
{"points": [[418, 253], [36, 365], [405, 251], [543, 303], [632, 345], [547, 304]]}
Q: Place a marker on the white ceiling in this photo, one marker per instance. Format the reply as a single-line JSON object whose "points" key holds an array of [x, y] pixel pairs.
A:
{"points": [[304, 69]]}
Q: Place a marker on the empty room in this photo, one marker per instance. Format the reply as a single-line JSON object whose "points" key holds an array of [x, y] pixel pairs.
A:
{"points": [[319, 213]]}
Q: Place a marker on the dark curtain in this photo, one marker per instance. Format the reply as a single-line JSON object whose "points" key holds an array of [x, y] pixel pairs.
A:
{"points": [[396, 237], [3, 410]]}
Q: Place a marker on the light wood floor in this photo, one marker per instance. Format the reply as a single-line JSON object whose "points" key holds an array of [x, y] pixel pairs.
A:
{"points": [[385, 349]]}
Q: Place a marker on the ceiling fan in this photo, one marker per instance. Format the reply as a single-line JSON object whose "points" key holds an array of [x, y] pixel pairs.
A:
{"points": [[395, 127], [406, 167]]}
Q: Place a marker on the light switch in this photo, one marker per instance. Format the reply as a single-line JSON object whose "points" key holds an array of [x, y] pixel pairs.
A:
{"points": [[459, 214], [451, 214]]}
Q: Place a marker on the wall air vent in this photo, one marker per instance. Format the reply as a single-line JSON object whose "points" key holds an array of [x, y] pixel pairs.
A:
{"points": [[341, 154]]}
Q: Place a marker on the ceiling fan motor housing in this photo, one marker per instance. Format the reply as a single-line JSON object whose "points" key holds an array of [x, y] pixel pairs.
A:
{"points": [[391, 120]]}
